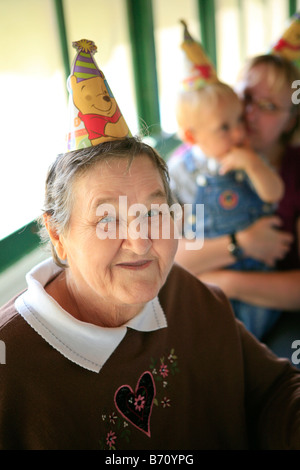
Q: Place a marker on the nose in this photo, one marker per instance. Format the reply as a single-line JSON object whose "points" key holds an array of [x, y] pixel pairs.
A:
{"points": [[238, 134], [138, 243]]}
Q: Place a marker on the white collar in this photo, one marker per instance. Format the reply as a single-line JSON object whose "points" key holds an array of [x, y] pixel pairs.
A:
{"points": [[86, 344]]}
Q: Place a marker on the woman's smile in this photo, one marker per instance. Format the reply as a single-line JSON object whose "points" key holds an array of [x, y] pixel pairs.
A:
{"points": [[135, 265]]}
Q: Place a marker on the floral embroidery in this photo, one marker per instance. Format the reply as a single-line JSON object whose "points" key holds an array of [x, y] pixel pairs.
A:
{"points": [[164, 370], [118, 428], [136, 405], [112, 417], [139, 403], [111, 439], [166, 402], [171, 357]]}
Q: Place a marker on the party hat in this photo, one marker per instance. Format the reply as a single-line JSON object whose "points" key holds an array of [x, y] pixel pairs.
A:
{"points": [[200, 70], [288, 45], [94, 115]]}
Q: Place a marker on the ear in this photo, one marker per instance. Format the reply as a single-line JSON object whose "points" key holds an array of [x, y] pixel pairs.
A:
{"points": [[73, 81], [189, 137], [55, 238]]}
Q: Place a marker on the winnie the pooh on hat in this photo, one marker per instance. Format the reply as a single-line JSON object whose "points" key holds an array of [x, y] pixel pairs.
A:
{"points": [[96, 114]]}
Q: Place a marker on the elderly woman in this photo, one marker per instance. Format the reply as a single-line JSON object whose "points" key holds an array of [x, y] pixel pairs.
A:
{"points": [[113, 347]]}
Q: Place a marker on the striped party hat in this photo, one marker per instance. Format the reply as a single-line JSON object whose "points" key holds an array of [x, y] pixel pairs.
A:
{"points": [[199, 69], [84, 66], [94, 115]]}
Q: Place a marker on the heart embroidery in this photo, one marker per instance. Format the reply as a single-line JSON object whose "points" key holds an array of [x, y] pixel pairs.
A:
{"points": [[136, 406]]}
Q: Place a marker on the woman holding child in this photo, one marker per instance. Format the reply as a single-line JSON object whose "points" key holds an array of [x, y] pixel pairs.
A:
{"points": [[272, 120]]}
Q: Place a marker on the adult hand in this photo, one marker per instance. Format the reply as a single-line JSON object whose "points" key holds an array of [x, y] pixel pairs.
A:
{"points": [[223, 278], [264, 240]]}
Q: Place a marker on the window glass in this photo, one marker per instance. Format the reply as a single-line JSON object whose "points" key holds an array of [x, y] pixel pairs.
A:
{"points": [[245, 28], [34, 99], [168, 38], [33, 105], [105, 23]]}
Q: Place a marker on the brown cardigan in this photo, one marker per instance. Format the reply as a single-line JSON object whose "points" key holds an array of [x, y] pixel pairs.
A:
{"points": [[201, 383]]}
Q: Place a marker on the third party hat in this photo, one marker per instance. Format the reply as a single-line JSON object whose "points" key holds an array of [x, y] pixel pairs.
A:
{"points": [[199, 69], [94, 115], [288, 45]]}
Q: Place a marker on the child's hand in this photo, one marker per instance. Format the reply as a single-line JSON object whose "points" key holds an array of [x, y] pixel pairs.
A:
{"points": [[239, 158], [267, 183]]}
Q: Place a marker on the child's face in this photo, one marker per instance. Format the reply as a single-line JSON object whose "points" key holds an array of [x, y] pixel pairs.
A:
{"points": [[220, 127]]}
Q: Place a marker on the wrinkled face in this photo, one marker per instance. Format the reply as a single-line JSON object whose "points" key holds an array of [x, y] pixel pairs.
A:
{"points": [[92, 96], [219, 127], [267, 110], [104, 268]]}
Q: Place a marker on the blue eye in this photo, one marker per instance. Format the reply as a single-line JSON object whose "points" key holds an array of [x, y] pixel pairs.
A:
{"points": [[107, 219], [153, 213]]}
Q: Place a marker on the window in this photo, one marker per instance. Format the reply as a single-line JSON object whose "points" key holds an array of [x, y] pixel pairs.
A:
{"points": [[33, 105], [105, 23], [34, 101], [168, 37], [244, 29]]}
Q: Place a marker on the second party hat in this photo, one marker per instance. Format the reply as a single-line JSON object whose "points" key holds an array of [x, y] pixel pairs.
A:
{"points": [[288, 45], [199, 69]]}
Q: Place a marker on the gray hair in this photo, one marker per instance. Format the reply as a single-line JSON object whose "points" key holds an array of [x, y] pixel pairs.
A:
{"points": [[69, 166]]}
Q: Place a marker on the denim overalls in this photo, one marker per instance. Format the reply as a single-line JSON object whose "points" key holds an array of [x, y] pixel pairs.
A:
{"points": [[230, 205]]}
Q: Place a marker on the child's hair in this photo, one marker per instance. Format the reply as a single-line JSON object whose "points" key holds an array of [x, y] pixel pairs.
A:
{"points": [[282, 73], [207, 97]]}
